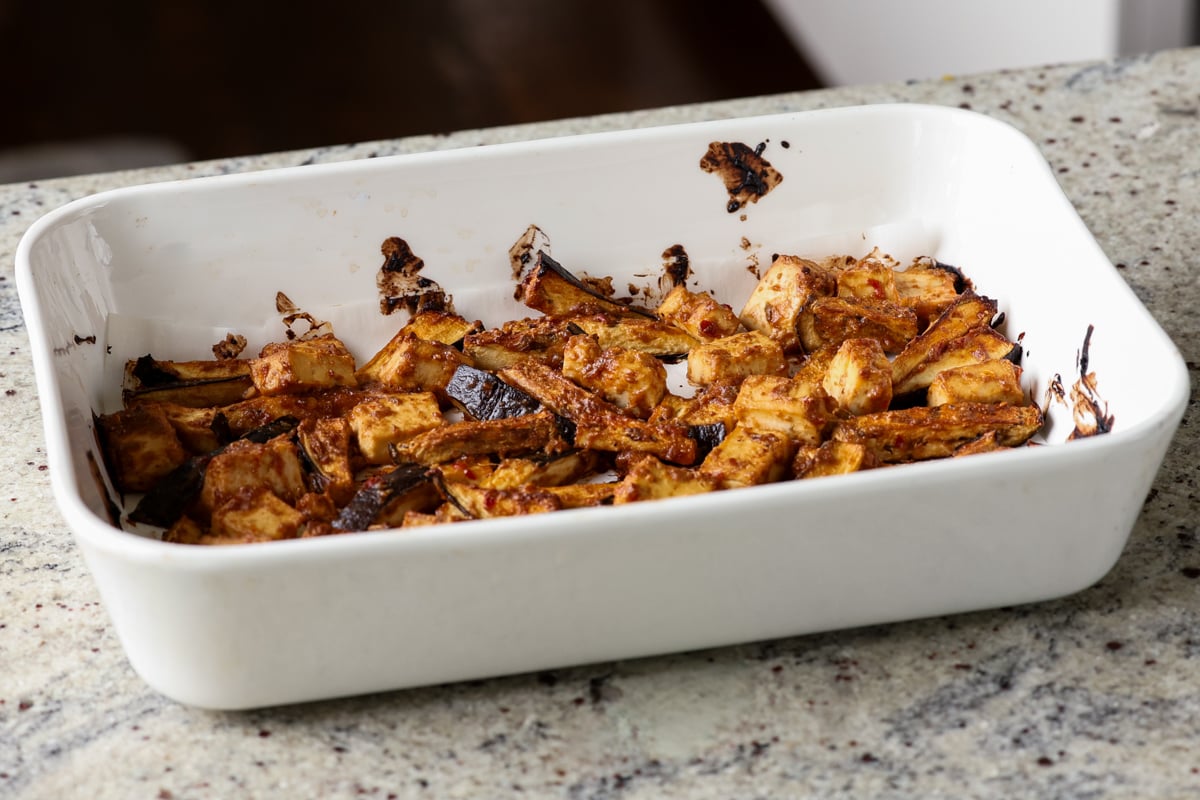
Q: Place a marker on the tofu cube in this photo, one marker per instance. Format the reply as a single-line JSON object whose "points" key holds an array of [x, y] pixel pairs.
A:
{"points": [[774, 306], [255, 516], [246, 466], [651, 479], [832, 458], [747, 458], [303, 365], [629, 379], [735, 357], [380, 422], [859, 377], [699, 314], [141, 447], [770, 403], [872, 281], [832, 320], [409, 364]]}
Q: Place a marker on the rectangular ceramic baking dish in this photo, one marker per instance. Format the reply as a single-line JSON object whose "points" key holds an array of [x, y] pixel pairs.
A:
{"points": [[170, 268]]}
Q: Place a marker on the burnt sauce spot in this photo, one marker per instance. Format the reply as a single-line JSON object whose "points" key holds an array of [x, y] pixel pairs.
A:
{"points": [[230, 347], [293, 314], [400, 285], [746, 174]]}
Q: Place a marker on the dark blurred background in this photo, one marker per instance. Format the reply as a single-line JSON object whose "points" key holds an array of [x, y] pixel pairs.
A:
{"points": [[90, 86], [111, 84]]}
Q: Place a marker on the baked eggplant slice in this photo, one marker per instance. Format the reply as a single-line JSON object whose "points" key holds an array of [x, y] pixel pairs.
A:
{"points": [[550, 288], [969, 310], [598, 424], [378, 493], [482, 396], [541, 338], [971, 348], [197, 384], [921, 432], [529, 433], [483, 502]]}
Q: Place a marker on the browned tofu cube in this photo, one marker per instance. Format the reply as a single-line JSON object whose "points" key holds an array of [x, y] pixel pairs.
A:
{"points": [[735, 357], [994, 381], [800, 411], [383, 421], [774, 306], [651, 479], [440, 326], [832, 458], [303, 365], [254, 516], [928, 288], [629, 379], [409, 364], [141, 447], [832, 320], [711, 404], [244, 466], [870, 280], [859, 377], [698, 313], [747, 458]]}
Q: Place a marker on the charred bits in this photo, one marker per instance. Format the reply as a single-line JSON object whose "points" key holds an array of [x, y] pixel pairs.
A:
{"points": [[401, 285], [746, 174], [676, 267], [1091, 414]]}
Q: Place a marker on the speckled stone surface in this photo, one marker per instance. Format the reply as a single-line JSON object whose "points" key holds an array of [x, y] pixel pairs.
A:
{"points": [[1095, 695]]}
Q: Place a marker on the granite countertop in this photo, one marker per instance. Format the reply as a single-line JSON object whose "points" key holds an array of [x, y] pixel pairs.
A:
{"points": [[1093, 695]]}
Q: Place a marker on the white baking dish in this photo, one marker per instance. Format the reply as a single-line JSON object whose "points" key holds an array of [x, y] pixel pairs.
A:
{"points": [[169, 268]]}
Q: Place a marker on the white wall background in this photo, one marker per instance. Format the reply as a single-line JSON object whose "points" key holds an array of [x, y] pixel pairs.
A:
{"points": [[867, 41]]}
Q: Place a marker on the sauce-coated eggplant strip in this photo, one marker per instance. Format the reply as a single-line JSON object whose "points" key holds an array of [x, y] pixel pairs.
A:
{"points": [[483, 396], [364, 507]]}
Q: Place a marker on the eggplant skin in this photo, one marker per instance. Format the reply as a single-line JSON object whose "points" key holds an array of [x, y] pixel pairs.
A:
{"points": [[483, 396], [363, 509]]}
